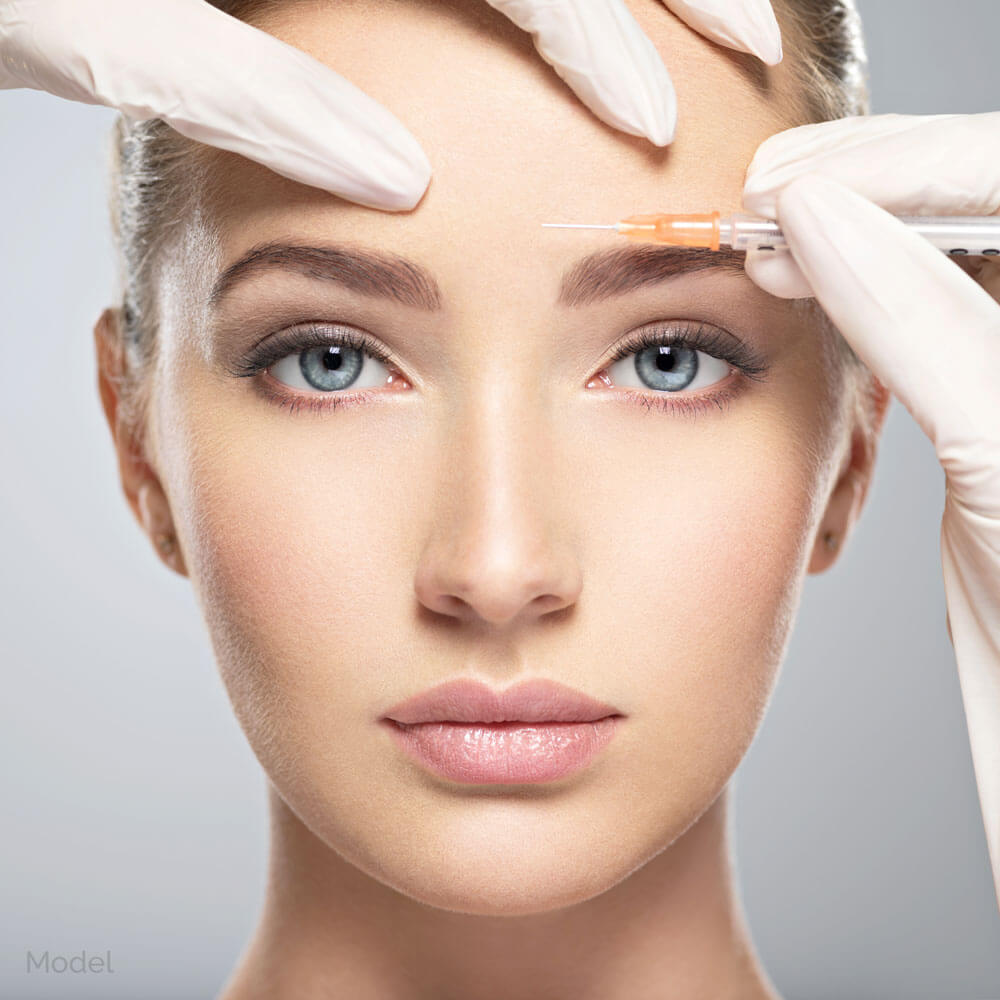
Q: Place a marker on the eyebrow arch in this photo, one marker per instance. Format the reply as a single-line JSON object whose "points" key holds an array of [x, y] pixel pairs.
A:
{"points": [[599, 276], [381, 275], [622, 270]]}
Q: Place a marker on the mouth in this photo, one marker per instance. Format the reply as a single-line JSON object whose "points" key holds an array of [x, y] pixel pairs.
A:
{"points": [[536, 731]]}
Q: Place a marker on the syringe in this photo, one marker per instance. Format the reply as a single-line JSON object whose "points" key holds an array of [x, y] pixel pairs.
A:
{"points": [[958, 235]]}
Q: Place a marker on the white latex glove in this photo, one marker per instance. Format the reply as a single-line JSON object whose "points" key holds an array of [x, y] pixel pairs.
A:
{"points": [[928, 331], [222, 82]]}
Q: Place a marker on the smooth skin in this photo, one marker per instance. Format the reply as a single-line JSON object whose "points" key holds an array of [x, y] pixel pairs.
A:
{"points": [[496, 509]]}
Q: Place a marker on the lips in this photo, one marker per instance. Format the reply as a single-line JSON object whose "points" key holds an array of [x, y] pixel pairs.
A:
{"points": [[467, 700]]}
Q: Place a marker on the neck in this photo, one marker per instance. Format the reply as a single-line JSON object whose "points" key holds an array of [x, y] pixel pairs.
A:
{"points": [[674, 928]]}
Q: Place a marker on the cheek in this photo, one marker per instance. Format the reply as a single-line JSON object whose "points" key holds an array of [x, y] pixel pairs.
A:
{"points": [[290, 534], [707, 561]]}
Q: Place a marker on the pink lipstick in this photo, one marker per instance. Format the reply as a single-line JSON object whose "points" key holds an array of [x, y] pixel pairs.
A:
{"points": [[533, 732]]}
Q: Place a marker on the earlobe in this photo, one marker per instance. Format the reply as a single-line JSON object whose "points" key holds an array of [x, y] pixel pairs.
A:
{"points": [[841, 513], [139, 481], [853, 479], [157, 520]]}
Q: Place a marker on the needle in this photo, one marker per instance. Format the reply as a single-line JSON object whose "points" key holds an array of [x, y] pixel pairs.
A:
{"points": [[574, 225]]}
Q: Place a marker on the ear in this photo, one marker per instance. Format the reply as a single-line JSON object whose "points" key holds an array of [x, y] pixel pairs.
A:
{"points": [[140, 483], [855, 474]]}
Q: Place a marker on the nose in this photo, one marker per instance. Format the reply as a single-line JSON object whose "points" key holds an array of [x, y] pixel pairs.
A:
{"points": [[499, 550]]}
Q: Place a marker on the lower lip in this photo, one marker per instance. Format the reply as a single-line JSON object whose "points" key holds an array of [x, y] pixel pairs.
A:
{"points": [[504, 753]]}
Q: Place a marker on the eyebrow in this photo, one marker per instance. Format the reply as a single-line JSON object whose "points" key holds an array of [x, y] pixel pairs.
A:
{"points": [[619, 271], [380, 275], [598, 276]]}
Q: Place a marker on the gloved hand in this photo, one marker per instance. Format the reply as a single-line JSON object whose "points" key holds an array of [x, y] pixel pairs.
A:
{"points": [[928, 331], [222, 82]]}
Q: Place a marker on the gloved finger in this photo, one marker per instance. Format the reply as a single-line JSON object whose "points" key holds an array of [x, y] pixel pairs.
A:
{"points": [[925, 329], [219, 81], [598, 48], [777, 273], [908, 164], [747, 26]]}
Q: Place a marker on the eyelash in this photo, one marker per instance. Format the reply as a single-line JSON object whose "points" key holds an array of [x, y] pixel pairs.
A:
{"points": [[299, 339], [698, 337], [694, 336]]}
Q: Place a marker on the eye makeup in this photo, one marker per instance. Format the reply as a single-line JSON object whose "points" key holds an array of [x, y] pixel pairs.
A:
{"points": [[746, 365], [298, 340], [686, 336]]}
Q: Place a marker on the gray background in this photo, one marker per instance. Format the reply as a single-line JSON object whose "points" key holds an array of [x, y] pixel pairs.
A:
{"points": [[134, 812]]}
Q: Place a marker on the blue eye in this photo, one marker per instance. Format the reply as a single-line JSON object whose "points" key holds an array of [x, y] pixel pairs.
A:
{"points": [[669, 368], [674, 361], [330, 368], [323, 360]]}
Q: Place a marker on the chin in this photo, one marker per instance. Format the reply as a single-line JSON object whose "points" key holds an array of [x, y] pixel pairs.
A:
{"points": [[513, 892], [513, 874]]}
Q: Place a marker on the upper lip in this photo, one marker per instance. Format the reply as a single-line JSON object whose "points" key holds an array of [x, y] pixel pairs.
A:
{"points": [[467, 700]]}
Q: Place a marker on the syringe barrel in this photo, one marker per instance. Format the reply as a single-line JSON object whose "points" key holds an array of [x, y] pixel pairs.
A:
{"points": [[956, 235], [745, 232]]}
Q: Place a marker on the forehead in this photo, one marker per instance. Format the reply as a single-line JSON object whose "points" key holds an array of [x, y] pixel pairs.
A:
{"points": [[507, 139]]}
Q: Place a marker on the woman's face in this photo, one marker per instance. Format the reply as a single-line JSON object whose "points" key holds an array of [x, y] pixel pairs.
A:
{"points": [[504, 500]]}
